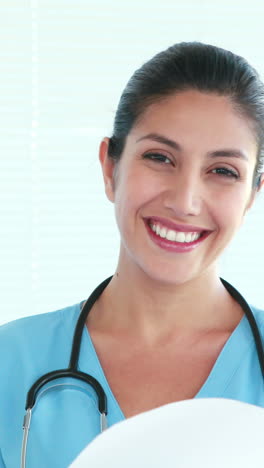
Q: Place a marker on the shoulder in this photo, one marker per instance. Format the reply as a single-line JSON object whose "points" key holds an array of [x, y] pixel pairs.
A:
{"points": [[35, 338], [32, 346], [39, 326], [29, 347]]}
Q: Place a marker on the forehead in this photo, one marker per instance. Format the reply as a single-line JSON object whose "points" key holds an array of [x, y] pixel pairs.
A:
{"points": [[205, 120]]}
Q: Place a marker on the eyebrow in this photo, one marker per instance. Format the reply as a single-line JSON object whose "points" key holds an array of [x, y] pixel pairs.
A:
{"points": [[226, 153]]}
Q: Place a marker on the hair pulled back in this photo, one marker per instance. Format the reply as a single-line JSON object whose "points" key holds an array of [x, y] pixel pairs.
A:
{"points": [[186, 66]]}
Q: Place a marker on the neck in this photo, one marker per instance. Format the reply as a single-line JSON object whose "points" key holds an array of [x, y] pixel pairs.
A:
{"points": [[136, 304]]}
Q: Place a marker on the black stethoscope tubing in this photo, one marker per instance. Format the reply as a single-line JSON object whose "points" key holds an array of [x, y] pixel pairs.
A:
{"points": [[72, 370], [251, 320]]}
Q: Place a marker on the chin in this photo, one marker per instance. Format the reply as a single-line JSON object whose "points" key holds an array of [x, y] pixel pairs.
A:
{"points": [[170, 278]]}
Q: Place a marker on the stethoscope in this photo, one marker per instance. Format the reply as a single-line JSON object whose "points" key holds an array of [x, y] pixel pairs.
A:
{"points": [[73, 372]]}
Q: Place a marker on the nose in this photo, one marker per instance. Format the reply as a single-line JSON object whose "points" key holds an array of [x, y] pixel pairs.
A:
{"points": [[184, 196]]}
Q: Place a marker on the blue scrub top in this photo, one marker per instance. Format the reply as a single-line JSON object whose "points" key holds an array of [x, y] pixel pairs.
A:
{"points": [[66, 419]]}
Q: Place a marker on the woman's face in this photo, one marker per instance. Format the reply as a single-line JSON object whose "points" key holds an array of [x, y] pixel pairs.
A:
{"points": [[182, 186]]}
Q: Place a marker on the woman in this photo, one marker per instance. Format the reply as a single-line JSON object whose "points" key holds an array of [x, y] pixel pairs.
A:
{"points": [[183, 167]]}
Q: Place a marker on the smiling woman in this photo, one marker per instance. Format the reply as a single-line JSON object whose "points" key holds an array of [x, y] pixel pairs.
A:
{"points": [[191, 157], [183, 167]]}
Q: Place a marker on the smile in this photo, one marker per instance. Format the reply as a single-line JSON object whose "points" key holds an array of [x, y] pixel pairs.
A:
{"points": [[174, 236]]}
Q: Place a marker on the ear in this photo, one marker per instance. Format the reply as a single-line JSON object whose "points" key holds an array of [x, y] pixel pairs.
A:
{"points": [[108, 167], [254, 193], [251, 200], [261, 183]]}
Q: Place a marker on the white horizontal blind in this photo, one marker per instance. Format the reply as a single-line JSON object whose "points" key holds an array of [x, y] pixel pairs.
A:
{"points": [[63, 66]]}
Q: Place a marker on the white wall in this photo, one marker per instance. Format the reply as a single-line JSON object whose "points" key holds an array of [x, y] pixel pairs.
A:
{"points": [[63, 65]]}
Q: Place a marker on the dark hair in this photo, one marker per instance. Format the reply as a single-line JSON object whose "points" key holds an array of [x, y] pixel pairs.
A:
{"points": [[185, 66]]}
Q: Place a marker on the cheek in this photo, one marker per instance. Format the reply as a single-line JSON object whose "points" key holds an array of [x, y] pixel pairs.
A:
{"points": [[230, 209], [134, 191]]}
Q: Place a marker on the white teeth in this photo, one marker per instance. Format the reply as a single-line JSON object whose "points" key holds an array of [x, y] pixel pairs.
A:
{"points": [[195, 236], [171, 235], [175, 236], [180, 237], [188, 237], [163, 232]]}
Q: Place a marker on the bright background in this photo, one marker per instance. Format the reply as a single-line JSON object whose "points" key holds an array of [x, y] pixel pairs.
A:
{"points": [[63, 65]]}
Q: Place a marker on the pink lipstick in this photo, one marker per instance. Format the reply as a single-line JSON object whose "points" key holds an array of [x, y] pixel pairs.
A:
{"points": [[174, 246]]}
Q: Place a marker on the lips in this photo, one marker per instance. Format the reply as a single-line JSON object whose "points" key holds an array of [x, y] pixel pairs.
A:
{"points": [[175, 237]]}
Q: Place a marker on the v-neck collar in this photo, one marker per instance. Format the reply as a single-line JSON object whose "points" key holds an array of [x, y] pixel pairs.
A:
{"points": [[214, 386]]}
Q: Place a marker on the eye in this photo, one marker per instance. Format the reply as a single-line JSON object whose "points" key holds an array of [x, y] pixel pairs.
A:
{"points": [[224, 172], [157, 157]]}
